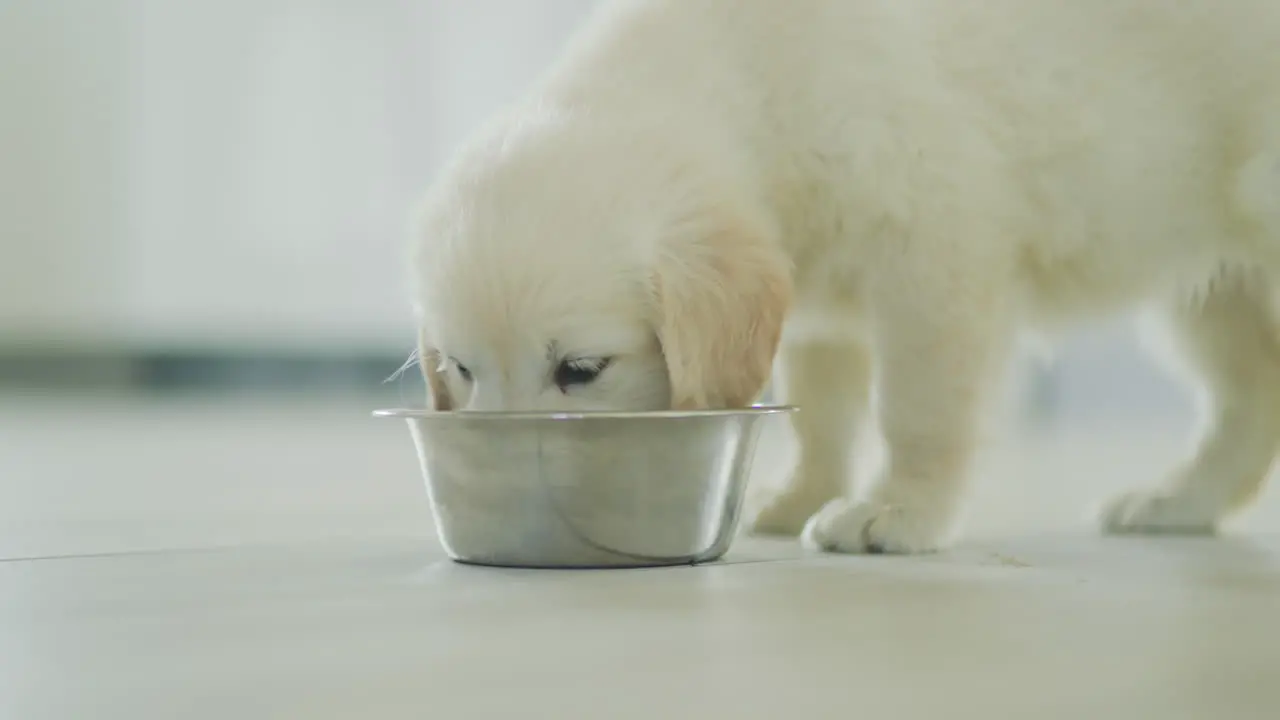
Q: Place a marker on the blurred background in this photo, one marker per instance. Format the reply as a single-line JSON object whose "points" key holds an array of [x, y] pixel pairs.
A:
{"points": [[210, 190], [203, 214]]}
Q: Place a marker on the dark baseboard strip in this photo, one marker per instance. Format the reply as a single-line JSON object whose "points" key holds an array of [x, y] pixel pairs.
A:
{"points": [[200, 371]]}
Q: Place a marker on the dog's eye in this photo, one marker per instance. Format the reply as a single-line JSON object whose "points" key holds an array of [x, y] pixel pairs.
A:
{"points": [[579, 372], [462, 370]]}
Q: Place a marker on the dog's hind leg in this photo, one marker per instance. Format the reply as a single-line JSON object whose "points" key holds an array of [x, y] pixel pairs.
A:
{"points": [[1231, 340]]}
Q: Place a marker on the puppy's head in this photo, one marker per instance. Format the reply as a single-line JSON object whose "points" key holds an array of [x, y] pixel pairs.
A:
{"points": [[565, 268]]}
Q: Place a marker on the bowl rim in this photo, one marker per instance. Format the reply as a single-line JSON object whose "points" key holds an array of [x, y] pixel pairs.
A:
{"points": [[428, 414]]}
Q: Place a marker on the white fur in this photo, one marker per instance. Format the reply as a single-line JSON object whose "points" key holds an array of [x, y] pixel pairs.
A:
{"points": [[914, 180]]}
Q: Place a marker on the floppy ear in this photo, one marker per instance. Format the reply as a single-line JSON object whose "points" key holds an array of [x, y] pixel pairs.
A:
{"points": [[437, 391], [722, 297]]}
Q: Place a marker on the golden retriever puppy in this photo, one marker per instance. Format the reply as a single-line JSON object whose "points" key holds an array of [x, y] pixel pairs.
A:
{"points": [[873, 193]]}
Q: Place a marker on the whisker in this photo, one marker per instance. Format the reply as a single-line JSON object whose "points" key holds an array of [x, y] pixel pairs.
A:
{"points": [[400, 371]]}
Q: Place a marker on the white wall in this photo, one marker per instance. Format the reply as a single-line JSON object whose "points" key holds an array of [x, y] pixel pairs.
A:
{"points": [[62, 109], [236, 172]]}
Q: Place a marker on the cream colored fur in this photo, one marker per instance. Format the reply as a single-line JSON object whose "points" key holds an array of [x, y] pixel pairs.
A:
{"points": [[902, 185]]}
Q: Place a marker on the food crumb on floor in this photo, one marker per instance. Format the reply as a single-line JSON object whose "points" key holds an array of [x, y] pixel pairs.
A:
{"points": [[1008, 561]]}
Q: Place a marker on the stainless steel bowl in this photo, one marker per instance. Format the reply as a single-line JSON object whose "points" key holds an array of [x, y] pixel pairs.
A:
{"points": [[603, 489]]}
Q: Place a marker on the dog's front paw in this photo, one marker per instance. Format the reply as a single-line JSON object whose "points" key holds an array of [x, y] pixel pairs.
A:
{"points": [[784, 511], [1160, 511], [865, 526]]}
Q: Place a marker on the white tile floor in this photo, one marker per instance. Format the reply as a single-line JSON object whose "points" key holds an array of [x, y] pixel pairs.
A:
{"points": [[232, 560]]}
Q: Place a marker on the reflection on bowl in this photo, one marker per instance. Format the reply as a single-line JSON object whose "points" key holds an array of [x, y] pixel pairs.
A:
{"points": [[599, 489]]}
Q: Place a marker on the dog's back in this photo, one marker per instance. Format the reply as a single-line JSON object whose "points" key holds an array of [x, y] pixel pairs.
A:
{"points": [[947, 168]]}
